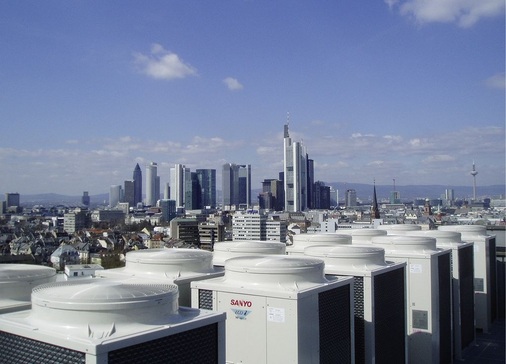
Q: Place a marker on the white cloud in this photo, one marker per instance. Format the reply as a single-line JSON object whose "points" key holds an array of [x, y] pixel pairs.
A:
{"points": [[496, 81], [233, 84], [161, 64], [463, 12], [438, 158]]}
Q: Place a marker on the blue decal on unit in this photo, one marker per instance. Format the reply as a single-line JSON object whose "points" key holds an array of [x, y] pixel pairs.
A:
{"points": [[240, 314]]}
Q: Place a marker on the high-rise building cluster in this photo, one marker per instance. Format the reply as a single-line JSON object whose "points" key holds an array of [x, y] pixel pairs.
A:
{"points": [[294, 190]]}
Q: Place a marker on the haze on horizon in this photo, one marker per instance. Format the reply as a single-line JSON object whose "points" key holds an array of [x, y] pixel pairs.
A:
{"points": [[406, 89]]}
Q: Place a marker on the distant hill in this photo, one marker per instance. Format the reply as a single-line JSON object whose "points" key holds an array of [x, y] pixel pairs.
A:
{"points": [[364, 192]]}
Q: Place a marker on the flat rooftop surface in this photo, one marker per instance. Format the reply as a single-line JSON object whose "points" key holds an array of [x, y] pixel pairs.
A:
{"points": [[489, 347]]}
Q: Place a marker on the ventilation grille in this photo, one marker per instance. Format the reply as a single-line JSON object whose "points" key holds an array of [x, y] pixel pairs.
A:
{"points": [[389, 317], [445, 309], [199, 345], [493, 284], [18, 349], [205, 299], [335, 325], [358, 292], [466, 299]]}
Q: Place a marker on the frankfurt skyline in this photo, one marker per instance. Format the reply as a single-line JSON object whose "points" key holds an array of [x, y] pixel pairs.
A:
{"points": [[408, 90]]}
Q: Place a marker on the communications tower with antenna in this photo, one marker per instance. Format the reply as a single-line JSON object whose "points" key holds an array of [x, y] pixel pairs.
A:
{"points": [[474, 172]]}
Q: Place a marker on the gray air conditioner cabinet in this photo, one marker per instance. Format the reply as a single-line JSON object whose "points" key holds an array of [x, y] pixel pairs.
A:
{"points": [[429, 301], [485, 271], [462, 286], [281, 309], [379, 299]]}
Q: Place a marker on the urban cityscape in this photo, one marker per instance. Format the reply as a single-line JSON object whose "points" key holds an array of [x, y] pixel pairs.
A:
{"points": [[158, 204]]}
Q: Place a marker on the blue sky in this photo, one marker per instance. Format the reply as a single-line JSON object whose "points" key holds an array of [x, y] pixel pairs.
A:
{"points": [[409, 89]]}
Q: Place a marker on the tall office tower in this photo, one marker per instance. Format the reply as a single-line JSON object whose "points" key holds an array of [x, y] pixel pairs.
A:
{"points": [[449, 196], [166, 191], [85, 199], [192, 192], [137, 178], [207, 182], [272, 195], [310, 184], [180, 177], [321, 195], [351, 198], [236, 183], [152, 184], [115, 195], [12, 200], [168, 208], [295, 174], [129, 193]]}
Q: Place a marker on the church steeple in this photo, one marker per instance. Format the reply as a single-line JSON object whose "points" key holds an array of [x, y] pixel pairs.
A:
{"points": [[375, 214]]}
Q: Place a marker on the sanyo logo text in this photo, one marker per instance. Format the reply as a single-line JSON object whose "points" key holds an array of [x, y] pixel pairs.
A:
{"points": [[241, 303]]}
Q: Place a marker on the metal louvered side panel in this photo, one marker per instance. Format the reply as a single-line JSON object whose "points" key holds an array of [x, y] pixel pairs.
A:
{"points": [[445, 309], [335, 325], [493, 279], [205, 299], [390, 317], [198, 345], [358, 293], [466, 299], [19, 349]]}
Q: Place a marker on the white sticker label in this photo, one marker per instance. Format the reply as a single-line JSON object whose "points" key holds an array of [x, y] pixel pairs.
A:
{"points": [[275, 314], [415, 268]]}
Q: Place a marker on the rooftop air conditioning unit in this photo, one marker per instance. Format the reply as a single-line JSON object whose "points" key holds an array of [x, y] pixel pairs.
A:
{"points": [[399, 229], [104, 321], [226, 250], [429, 307], [17, 282], [379, 299], [302, 241], [362, 236], [178, 266], [281, 309], [462, 286], [485, 271]]}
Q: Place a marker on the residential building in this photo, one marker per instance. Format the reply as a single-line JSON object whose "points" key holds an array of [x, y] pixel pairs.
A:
{"points": [[75, 220], [210, 233], [248, 225]]}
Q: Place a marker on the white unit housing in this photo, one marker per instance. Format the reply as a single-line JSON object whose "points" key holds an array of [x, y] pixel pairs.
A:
{"points": [[379, 299], [429, 308], [462, 286], [226, 250], [362, 236], [399, 229], [281, 309], [178, 266], [96, 321], [17, 282], [485, 271], [302, 241]]}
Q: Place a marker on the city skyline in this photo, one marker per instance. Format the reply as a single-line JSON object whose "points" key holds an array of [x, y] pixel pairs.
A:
{"points": [[91, 89]]}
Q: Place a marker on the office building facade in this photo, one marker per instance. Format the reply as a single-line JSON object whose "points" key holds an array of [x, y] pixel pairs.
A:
{"points": [[295, 174], [152, 184], [236, 186], [137, 178]]}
